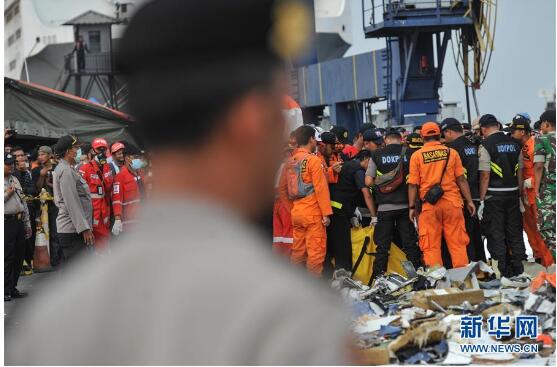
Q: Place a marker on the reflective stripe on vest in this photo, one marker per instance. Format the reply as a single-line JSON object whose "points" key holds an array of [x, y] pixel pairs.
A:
{"points": [[496, 169], [336, 204], [131, 202], [503, 189], [97, 196]]}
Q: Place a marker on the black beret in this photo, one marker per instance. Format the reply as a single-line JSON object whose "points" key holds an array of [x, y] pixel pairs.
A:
{"points": [[187, 60], [65, 143], [488, 119], [328, 137], [449, 122]]}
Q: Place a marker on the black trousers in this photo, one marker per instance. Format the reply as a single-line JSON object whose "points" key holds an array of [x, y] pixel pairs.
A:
{"points": [[14, 251], [502, 226], [72, 245], [388, 224], [475, 248], [56, 254], [339, 242]]}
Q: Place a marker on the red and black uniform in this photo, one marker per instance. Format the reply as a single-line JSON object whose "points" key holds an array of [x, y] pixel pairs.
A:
{"points": [[100, 184], [127, 194]]}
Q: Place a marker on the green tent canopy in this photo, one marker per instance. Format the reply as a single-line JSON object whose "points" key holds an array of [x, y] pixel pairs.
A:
{"points": [[37, 111]]}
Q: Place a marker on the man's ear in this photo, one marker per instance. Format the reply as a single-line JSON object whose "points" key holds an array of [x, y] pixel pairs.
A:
{"points": [[244, 121]]}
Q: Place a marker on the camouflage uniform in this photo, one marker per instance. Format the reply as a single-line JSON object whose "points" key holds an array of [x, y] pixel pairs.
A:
{"points": [[545, 152]]}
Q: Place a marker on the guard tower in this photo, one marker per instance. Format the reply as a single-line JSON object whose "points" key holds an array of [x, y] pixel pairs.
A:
{"points": [[417, 34], [96, 66]]}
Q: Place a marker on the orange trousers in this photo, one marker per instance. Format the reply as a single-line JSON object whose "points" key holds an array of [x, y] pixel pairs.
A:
{"points": [[443, 219], [282, 230], [530, 223], [310, 243]]}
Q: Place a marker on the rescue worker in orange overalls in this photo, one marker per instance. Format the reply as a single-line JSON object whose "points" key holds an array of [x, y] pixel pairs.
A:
{"points": [[520, 131], [310, 214], [331, 160], [128, 191], [282, 221], [98, 176], [437, 172]]}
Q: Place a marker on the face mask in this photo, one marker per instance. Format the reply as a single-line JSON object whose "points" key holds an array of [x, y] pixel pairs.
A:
{"points": [[136, 164], [101, 158]]}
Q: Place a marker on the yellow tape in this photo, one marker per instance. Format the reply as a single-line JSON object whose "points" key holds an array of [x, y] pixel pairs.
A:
{"points": [[335, 204]]}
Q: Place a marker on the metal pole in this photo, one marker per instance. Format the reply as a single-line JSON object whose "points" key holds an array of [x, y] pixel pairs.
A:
{"points": [[467, 103]]}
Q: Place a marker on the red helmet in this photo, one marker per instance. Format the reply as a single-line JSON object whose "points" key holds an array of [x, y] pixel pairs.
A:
{"points": [[116, 147], [99, 143]]}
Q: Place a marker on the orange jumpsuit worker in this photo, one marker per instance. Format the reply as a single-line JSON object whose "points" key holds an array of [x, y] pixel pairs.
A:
{"points": [[445, 217], [330, 160], [520, 130], [310, 214], [128, 191], [99, 178]]}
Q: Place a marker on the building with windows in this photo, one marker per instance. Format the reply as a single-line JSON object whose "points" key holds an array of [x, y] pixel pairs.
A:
{"points": [[31, 26]]}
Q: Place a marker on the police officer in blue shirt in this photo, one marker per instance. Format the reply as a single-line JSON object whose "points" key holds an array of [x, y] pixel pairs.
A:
{"points": [[455, 138]]}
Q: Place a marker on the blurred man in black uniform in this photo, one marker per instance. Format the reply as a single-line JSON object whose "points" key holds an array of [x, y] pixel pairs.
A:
{"points": [[468, 152], [392, 211]]}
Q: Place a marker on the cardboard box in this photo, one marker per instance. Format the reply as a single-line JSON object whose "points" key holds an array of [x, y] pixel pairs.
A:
{"points": [[375, 356], [446, 297]]}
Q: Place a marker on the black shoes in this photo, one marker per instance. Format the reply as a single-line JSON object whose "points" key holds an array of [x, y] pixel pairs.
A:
{"points": [[18, 294]]}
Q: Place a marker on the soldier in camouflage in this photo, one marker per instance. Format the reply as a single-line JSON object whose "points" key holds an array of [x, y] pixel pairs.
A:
{"points": [[544, 163]]}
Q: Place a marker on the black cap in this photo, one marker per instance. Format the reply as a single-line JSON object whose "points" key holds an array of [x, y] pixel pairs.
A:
{"points": [[416, 128], [131, 150], [548, 116], [466, 126], [488, 119], [449, 122], [520, 122], [415, 141], [9, 158], [374, 135], [392, 132], [64, 143], [365, 127], [328, 137], [173, 70], [341, 132]]}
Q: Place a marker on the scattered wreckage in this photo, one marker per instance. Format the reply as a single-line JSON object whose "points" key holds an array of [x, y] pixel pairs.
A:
{"points": [[417, 318]]}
